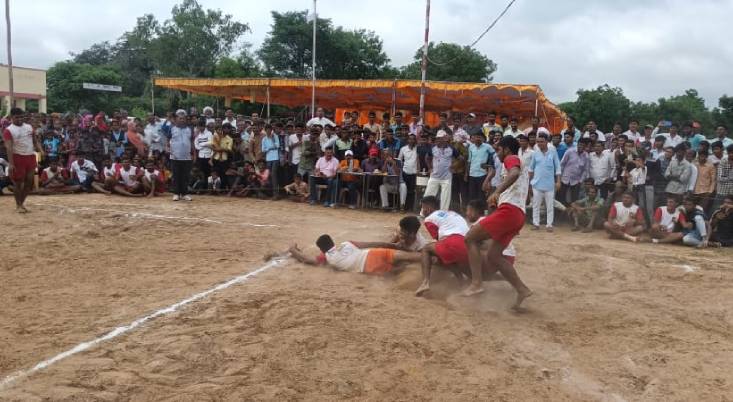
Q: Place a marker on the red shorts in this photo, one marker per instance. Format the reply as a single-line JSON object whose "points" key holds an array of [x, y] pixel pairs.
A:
{"points": [[504, 223], [379, 261], [452, 250], [22, 164]]}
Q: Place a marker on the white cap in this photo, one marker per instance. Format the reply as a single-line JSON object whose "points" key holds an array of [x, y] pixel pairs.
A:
{"points": [[441, 134], [349, 152], [472, 115]]}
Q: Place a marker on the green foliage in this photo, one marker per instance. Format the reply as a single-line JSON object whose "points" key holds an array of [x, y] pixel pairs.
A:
{"points": [[98, 54], [65, 93], [723, 114], [245, 65], [287, 49], [604, 105], [451, 62]]}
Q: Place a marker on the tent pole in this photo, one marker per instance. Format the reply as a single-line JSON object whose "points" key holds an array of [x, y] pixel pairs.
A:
{"points": [[313, 63], [11, 96], [393, 109], [152, 94], [268, 101], [424, 61]]}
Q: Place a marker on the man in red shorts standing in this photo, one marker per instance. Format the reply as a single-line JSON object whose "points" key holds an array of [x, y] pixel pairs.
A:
{"points": [[449, 229], [21, 146], [499, 228]]}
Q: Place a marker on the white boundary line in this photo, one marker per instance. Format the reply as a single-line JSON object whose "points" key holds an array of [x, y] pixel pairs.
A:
{"points": [[151, 216], [131, 326]]}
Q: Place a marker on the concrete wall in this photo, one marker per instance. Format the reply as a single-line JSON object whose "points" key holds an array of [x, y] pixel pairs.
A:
{"points": [[28, 83]]}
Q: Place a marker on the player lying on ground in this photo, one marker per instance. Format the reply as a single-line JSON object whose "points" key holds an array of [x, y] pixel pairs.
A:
{"points": [[349, 257], [499, 228], [407, 238]]}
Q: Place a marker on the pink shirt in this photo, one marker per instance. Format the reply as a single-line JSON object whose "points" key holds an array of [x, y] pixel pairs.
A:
{"points": [[327, 168]]}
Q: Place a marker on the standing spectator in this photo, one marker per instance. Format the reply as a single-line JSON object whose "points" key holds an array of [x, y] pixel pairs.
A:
{"points": [[658, 148], [535, 127], [271, 150], [592, 128], [725, 176], [203, 143], [705, 184], [571, 129], [632, 134], [372, 125], [544, 176], [613, 135], [575, 168], [181, 149], [602, 168], [408, 157], [721, 134], [319, 119], [229, 118], [392, 185], [678, 173], [672, 139], [696, 137], [439, 161], [567, 143], [513, 129], [325, 173], [21, 147], [223, 145], [480, 164], [459, 182], [390, 142], [153, 137]]}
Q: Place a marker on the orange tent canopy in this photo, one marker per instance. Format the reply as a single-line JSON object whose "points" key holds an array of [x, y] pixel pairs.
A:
{"points": [[520, 101]]}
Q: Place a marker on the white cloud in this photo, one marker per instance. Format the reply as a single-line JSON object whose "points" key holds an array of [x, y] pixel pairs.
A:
{"points": [[649, 48]]}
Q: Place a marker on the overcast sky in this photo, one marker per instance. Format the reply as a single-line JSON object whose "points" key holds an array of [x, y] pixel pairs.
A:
{"points": [[650, 48]]}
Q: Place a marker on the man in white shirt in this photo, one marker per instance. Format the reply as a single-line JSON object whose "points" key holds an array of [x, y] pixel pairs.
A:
{"points": [[602, 166], [83, 172], [536, 127], [153, 137], [229, 118], [671, 139], [513, 129], [21, 146], [592, 127], [408, 157], [295, 142], [320, 118], [633, 133]]}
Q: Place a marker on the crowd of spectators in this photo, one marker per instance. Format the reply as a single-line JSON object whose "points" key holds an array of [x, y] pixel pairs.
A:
{"points": [[664, 183]]}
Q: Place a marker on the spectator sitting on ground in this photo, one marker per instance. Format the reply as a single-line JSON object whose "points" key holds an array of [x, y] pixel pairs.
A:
{"points": [[54, 180], [722, 224], [695, 228], [298, 189], [585, 212], [667, 223], [625, 219]]}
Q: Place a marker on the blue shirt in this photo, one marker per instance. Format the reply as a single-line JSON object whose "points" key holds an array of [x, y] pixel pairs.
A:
{"points": [[545, 167], [695, 141], [51, 145], [477, 156], [394, 146], [561, 149], [180, 143], [576, 135], [271, 148]]}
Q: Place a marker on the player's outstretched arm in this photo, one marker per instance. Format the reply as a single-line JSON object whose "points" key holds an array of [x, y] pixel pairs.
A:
{"points": [[300, 256]]}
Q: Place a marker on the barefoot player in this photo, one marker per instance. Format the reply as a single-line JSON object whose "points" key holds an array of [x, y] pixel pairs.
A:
{"points": [[21, 147], [625, 219], [502, 225], [348, 257]]}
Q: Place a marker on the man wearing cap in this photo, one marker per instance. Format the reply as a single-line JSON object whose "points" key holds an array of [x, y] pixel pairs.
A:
{"points": [[180, 137], [320, 119], [350, 165], [372, 125], [471, 125], [440, 159]]}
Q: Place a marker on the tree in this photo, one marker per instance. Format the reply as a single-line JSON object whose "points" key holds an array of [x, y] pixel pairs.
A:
{"points": [[723, 114], [98, 54], [287, 49], [686, 108], [133, 55], [245, 65], [194, 39], [452, 62], [604, 105], [64, 81]]}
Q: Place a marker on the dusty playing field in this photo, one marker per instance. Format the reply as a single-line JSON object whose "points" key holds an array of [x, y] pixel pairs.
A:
{"points": [[609, 321]]}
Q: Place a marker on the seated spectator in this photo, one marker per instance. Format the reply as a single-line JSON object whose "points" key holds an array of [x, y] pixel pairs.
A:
{"points": [[586, 211], [214, 183], [325, 173], [695, 229], [4, 179], [298, 189], [152, 180], [128, 181], [83, 172], [350, 182], [625, 219], [392, 185], [667, 223], [54, 180], [722, 224]]}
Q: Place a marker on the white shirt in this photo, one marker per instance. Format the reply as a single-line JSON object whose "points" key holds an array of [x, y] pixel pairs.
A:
{"points": [[670, 141], [295, 149], [625, 215], [148, 175], [638, 176], [516, 194], [668, 220], [83, 171], [511, 132], [233, 122], [601, 167], [448, 223], [693, 177], [202, 143], [599, 133], [152, 137], [632, 136], [3, 166], [319, 120], [347, 257], [22, 137], [108, 171], [127, 177], [540, 130], [409, 159]]}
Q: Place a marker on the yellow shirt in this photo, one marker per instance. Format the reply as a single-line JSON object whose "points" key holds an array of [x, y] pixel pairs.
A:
{"points": [[225, 143]]}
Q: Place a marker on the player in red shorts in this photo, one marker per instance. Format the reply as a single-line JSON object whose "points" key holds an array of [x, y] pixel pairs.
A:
{"points": [[499, 228], [21, 146], [449, 229]]}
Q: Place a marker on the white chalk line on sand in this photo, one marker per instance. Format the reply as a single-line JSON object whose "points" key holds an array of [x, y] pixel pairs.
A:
{"points": [[152, 216], [131, 326]]}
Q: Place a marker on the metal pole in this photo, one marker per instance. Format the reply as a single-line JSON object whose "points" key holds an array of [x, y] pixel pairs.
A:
{"points": [[313, 63], [268, 102], [10, 57], [424, 61], [152, 94]]}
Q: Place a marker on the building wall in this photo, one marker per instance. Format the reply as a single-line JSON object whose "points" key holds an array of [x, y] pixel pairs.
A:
{"points": [[28, 83]]}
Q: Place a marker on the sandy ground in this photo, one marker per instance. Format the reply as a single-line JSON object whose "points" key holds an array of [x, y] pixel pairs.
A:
{"points": [[609, 321]]}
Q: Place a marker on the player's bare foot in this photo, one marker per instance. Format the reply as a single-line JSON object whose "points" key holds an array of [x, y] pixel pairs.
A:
{"points": [[472, 290], [521, 296], [424, 288], [631, 238]]}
